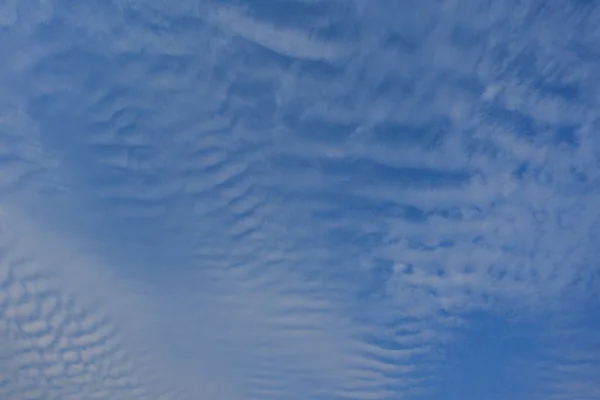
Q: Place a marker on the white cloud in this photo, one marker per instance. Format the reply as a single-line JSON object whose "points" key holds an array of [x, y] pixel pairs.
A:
{"points": [[226, 210], [286, 41]]}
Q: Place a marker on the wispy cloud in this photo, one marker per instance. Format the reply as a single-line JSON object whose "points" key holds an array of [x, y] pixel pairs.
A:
{"points": [[210, 200]]}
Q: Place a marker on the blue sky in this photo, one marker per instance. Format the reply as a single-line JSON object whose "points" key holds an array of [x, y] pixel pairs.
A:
{"points": [[286, 199]]}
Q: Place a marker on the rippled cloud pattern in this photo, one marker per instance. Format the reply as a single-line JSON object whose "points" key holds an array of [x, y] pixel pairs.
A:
{"points": [[299, 199]]}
